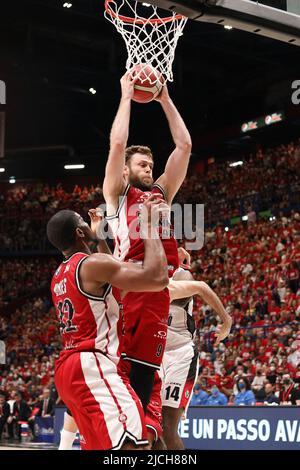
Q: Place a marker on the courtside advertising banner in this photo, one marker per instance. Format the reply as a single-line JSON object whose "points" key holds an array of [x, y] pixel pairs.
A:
{"points": [[44, 428], [242, 428]]}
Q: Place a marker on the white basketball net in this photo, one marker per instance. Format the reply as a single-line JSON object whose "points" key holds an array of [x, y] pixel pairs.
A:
{"points": [[150, 41]]}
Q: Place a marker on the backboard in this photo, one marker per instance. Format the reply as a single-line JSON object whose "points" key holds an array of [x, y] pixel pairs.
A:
{"points": [[281, 21]]}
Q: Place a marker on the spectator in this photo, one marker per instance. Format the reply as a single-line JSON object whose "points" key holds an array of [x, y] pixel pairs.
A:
{"points": [[294, 357], [289, 395], [270, 397], [258, 381], [22, 413], [216, 398], [199, 397], [4, 413], [46, 405], [245, 396]]}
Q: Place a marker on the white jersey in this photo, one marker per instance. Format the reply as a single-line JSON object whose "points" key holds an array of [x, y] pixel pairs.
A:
{"points": [[180, 364], [181, 324]]}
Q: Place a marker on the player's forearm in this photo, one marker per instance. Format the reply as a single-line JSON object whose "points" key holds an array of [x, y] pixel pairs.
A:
{"points": [[102, 240], [209, 296], [103, 247], [97, 227], [120, 128], [179, 131], [113, 184], [155, 264], [182, 289]]}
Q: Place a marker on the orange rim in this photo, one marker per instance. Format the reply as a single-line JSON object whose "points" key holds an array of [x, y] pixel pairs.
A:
{"points": [[140, 20]]}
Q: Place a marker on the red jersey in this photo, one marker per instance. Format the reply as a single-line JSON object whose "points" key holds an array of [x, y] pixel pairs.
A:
{"points": [[87, 322], [125, 227]]}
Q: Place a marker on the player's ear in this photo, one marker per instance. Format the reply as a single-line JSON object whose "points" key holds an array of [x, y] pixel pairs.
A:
{"points": [[126, 170], [79, 233]]}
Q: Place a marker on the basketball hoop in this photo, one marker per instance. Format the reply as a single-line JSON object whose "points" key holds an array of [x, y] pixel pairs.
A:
{"points": [[150, 37]]}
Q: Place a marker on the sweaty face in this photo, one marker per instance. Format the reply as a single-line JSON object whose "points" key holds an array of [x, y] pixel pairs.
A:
{"points": [[139, 172]]}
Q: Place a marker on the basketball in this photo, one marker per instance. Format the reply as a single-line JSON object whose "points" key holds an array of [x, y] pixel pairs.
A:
{"points": [[148, 85]]}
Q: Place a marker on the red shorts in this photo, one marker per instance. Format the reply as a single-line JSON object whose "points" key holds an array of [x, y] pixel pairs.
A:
{"points": [[154, 409], [145, 326], [105, 407]]}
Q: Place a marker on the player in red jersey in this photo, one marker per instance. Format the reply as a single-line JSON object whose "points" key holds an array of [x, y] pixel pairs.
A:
{"points": [[105, 407], [128, 181]]}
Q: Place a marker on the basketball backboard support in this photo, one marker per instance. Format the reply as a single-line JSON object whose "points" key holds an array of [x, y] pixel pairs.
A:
{"points": [[2, 133], [2, 353], [2, 92], [2, 116], [251, 16]]}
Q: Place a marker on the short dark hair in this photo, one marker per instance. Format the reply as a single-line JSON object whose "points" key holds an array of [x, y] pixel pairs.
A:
{"points": [[130, 151], [61, 229]]}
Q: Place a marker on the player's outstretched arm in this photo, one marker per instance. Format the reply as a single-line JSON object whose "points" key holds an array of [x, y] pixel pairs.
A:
{"points": [[182, 289], [178, 162], [130, 277], [114, 183]]}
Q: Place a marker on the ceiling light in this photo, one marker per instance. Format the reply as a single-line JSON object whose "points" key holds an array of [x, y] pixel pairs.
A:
{"points": [[79, 166], [228, 26], [12, 180], [93, 91], [233, 164], [2, 170]]}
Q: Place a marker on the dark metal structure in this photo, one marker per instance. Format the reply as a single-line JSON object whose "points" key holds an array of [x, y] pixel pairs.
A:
{"points": [[245, 15]]}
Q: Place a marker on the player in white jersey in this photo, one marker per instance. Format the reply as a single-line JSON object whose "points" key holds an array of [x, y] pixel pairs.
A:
{"points": [[180, 364]]}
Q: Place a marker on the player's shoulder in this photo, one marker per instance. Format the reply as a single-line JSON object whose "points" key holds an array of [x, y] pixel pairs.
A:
{"points": [[97, 261], [96, 258], [158, 188], [58, 271], [95, 266]]}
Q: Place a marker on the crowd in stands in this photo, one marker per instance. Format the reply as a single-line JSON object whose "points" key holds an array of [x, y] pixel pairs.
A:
{"points": [[267, 180], [21, 276], [255, 269], [25, 210], [32, 344], [254, 266]]}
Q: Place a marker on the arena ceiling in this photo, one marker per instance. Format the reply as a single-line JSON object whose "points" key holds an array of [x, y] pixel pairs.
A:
{"points": [[51, 56]]}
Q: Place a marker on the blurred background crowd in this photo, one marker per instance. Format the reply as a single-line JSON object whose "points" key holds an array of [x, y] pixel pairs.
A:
{"points": [[251, 258]]}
